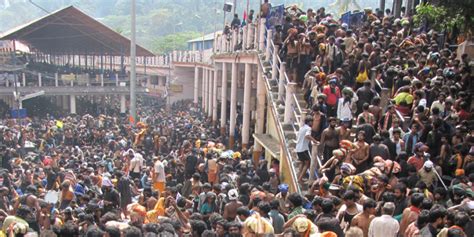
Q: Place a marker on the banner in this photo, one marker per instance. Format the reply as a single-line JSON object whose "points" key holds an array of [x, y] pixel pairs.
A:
{"points": [[276, 16]]}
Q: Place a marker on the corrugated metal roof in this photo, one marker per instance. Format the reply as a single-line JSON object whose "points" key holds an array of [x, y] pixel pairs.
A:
{"points": [[71, 31], [207, 37]]}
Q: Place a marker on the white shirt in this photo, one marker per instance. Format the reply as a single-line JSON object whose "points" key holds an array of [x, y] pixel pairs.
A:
{"points": [[136, 163], [344, 110], [383, 226], [159, 172], [302, 143]]}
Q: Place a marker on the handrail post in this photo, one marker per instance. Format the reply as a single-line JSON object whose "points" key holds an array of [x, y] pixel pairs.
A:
{"points": [[250, 33], [244, 38], [39, 80], [275, 62], [56, 79], [261, 28], [302, 118], [290, 90], [269, 43], [281, 81], [234, 40]]}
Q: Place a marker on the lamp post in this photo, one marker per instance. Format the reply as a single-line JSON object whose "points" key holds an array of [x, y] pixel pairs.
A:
{"points": [[133, 73]]}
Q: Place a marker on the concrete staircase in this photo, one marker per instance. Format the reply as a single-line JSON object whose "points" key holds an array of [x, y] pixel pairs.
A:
{"points": [[290, 130]]}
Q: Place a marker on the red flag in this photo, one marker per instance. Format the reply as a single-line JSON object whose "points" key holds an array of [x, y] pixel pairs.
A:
{"points": [[245, 15]]}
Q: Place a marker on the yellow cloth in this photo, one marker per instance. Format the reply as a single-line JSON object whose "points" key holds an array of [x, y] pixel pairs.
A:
{"points": [[158, 210], [59, 124], [403, 96], [257, 225]]}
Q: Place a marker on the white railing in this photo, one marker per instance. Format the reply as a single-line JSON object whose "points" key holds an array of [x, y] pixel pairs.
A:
{"points": [[294, 114], [238, 39]]}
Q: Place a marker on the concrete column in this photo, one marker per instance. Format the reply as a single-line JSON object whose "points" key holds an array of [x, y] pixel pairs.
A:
{"points": [[224, 98], [65, 103], [123, 102], [246, 109], [56, 76], [23, 79], [233, 105], [206, 87], [72, 105], [397, 7], [203, 86], [196, 86], [7, 83], [290, 91], [214, 98], [269, 42], [101, 79], [260, 115], [116, 79], [261, 28], [210, 82], [39, 80]]}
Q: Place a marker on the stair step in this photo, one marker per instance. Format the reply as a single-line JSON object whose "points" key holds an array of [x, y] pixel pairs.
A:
{"points": [[289, 134]]}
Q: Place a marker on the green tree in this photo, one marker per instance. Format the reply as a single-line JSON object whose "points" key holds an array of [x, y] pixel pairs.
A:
{"points": [[168, 43]]}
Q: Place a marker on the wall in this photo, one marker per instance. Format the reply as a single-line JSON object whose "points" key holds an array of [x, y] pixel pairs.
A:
{"points": [[184, 78]]}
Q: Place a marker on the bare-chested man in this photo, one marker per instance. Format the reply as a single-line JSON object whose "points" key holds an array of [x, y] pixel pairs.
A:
{"points": [[319, 122], [360, 154], [230, 209], [329, 139], [363, 219], [344, 130]]}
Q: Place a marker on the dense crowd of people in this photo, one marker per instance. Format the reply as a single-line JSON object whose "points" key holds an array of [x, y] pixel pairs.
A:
{"points": [[404, 169]]}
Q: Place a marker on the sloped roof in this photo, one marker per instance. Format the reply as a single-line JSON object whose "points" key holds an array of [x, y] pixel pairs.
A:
{"points": [[71, 31], [207, 37]]}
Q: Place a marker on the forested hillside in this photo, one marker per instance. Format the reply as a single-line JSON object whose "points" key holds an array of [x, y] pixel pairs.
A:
{"points": [[156, 19]]}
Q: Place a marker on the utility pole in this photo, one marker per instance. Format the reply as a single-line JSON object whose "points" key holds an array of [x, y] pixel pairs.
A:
{"points": [[234, 8], [133, 73]]}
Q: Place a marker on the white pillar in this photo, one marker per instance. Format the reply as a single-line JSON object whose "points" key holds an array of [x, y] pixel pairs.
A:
{"points": [[203, 85], [281, 81], [65, 103], [206, 87], [269, 42], [246, 109], [224, 98], [196, 85], [290, 90], [123, 102], [23, 79], [233, 105], [72, 101], [101, 79], [7, 82], [39, 80], [210, 84], [261, 28], [116, 79], [56, 76], [214, 97]]}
